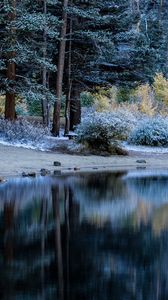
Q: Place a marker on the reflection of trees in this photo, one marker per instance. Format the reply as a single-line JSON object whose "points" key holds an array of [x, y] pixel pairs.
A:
{"points": [[153, 188], [56, 256], [122, 264], [160, 219], [58, 244], [67, 240], [152, 194], [43, 221], [9, 210], [31, 238], [140, 216], [102, 186]]}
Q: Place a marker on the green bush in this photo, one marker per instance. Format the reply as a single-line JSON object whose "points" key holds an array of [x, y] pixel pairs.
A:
{"points": [[34, 108], [87, 99]]}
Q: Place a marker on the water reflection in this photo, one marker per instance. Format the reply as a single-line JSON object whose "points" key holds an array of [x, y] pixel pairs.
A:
{"points": [[91, 236]]}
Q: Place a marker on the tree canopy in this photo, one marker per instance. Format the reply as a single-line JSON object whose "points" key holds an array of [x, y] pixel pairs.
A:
{"points": [[104, 43]]}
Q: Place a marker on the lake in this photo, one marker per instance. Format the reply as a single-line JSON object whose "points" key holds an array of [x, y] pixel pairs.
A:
{"points": [[93, 236]]}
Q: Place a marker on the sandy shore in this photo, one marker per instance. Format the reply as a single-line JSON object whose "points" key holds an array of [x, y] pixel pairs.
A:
{"points": [[15, 160]]}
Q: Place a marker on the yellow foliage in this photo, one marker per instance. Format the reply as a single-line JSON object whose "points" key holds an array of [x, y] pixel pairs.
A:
{"points": [[113, 94], [101, 100], [101, 103], [21, 103], [2, 105], [160, 87], [106, 99], [130, 107], [160, 220], [145, 97]]}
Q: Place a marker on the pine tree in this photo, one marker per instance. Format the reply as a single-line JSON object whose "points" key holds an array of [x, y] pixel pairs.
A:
{"points": [[8, 18], [32, 46], [89, 39]]}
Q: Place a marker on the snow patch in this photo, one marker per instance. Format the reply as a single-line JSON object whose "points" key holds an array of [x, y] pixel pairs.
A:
{"points": [[146, 149], [21, 145]]}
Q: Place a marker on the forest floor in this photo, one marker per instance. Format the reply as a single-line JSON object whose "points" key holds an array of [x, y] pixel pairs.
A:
{"points": [[15, 160]]}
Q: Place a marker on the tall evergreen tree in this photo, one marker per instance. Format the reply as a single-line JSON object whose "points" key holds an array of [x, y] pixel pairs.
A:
{"points": [[125, 44], [30, 36]]}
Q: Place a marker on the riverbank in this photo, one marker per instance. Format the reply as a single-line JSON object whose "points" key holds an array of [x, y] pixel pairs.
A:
{"points": [[15, 160]]}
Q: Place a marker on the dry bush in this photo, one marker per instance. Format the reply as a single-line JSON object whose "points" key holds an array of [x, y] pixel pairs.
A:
{"points": [[2, 105], [144, 97], [160, 87]]}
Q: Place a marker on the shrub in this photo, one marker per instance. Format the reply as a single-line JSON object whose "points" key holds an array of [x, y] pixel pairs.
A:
{"points": [[2, 104], [105, 99], [160, 86], [97, 130], [34, 108], [124, 94], [145, 97], [151, 132], [101, 103], [87, 99], [22, 132]]}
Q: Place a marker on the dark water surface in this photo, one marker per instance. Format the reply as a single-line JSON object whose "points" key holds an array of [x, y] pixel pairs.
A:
{"points": [[85, 237]]}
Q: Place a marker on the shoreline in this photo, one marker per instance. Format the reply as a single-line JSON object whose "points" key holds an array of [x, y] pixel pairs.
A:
{"points": [[15, 160]]}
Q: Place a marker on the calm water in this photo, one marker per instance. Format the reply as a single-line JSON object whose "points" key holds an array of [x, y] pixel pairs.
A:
{"points": [[85, 237]]}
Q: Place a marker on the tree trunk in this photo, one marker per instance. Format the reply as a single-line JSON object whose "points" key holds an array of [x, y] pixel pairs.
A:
{"points": [[68, 98], [60, 72], [75, 107], [10, 113], [45, 104], [67, 111]]}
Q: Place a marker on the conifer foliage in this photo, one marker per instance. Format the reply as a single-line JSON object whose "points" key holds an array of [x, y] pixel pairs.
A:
{"points": [[29, 34], [53, 49]]}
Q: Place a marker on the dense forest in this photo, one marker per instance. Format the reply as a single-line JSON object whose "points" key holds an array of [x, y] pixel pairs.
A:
{"points": [[52, 52]]}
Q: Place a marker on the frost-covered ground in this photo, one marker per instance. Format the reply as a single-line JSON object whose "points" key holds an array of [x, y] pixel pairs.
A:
{"points": [[45, 144], [28, 135], [21, 145], [97, 131], [144, 149], [54, 143]]}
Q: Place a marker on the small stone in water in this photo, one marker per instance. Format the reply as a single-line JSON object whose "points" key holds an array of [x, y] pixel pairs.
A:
{"points": [[32, 174], [76, 169], [57, 164], [2, 179], [57, 172], [24, 174], [141, 167], [141, 161], [44, 172]]}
